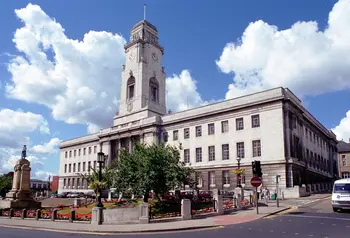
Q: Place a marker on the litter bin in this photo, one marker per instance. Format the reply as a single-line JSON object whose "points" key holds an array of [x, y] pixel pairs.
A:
{"points": [[273, 196]]}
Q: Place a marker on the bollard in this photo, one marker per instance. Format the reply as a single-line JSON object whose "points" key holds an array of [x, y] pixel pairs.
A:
{"points": [[11, 213], [37, 214], [71, 215], [53, 214], [235, 202], [24, 213]]}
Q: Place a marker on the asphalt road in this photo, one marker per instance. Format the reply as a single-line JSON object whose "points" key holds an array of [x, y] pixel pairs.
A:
{"points": [[313, 220]]}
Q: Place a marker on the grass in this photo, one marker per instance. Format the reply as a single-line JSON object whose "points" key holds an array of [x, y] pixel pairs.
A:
{"points": [[87, 209]]}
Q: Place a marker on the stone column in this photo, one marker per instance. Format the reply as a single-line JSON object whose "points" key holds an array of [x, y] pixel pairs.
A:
{"points": [[218, 202], [144, 213], [15, 183], [109, 161], [186, 209]]}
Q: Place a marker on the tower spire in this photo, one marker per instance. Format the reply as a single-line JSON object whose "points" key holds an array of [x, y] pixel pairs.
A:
{"points": [[144, 12]]}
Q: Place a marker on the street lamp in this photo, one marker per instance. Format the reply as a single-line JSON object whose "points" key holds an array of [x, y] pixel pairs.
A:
{"points": [[238, 175], [100, 161]]}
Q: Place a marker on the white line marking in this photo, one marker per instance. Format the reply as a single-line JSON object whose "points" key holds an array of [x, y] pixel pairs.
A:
{"points": [[320, 217]]}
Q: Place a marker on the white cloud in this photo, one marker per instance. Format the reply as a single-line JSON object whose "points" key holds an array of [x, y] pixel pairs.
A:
{"points": [[16, 123], [343, 129], [47, 148], [82, 82], [182, 92], [303, 58]]}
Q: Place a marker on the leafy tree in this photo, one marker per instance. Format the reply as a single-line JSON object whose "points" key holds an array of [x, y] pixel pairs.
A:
{"points": [[5, 185], [153, 167], [92, 178]]}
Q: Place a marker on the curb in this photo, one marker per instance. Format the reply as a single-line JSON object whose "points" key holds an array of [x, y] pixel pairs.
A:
{"points": [[276, 212], [93, 231]]}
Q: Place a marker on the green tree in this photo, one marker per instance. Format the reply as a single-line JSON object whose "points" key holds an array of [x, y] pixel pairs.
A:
{"points": [[92, 178], [5, 185], [153, 167]]}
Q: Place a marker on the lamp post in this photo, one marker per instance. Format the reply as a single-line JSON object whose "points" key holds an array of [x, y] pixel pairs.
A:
{"points": [[100, 161], [238, 175]]}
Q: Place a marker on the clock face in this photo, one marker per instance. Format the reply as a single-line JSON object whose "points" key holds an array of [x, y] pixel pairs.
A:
{"points": [[132, 56], [154, 57]]}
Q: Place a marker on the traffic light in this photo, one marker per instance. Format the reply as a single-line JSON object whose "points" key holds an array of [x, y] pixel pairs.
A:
{"points": [[256, 167]]}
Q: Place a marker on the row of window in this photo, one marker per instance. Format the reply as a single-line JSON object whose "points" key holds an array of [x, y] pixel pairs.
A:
{"points": [[315, 139], [76, 167], [317, 161], [211, 128], [79, 152], [212, 178], [225, 149], [75, 183], [38, 185]]}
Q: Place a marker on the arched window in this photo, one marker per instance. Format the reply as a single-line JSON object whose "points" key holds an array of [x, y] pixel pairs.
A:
{"points": [[131, 88], [154, 90]]}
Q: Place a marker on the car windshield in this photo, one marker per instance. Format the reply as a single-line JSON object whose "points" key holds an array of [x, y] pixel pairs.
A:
{"points": [[341, 188]]}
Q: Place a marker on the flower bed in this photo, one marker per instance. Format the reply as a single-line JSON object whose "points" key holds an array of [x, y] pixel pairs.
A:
{"points": [[82, 217]]}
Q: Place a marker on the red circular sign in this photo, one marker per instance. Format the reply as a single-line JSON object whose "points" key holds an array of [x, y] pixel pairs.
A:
{"points": [[255, 182]]}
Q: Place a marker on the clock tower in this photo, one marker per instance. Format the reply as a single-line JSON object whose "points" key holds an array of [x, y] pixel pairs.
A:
{"points": [[143, 78]]}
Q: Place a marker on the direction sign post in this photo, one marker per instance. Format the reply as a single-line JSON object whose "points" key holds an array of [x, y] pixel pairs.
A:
{"points": [[256, 182]]}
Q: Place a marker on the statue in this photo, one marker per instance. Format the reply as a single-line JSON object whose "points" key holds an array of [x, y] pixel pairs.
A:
{"points": [[20, 194]]}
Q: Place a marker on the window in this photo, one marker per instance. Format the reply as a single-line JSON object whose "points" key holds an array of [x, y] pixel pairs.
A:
{"points": [[225, 152], [64, 182], [226, 177], [70, 154], [153, 87], [211, 153], [73, 183], [224, 126], [89, 150], [198, 131], [165, 136], [65, 168], [95, 164], [74, 168], [78, 167], [186, 133], [306, 133], [187, 156], [69, 182], [256, 148], [239, 124], [79, 152], [78, 182], [70, 168], [255, 121], [89, 166], [65, 154], [95, 149], [84, 151], [175, 135], [211, 129], [240, 149], [198, 155], [84, 163], [212, 178], [131, 88], [343, 158], [75, 153]]}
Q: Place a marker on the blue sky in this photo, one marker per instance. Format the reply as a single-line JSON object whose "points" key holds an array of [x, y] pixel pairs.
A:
{"points": [[46, 97]]}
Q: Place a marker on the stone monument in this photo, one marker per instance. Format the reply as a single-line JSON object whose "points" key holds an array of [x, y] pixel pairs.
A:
{"points": [[20, 196]]}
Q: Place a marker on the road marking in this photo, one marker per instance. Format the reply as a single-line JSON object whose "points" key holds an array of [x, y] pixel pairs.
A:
{"points": [[292, 208], [319, 217]]}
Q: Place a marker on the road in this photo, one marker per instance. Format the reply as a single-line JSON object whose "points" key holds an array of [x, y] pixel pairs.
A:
{"points": [[311, 220]]}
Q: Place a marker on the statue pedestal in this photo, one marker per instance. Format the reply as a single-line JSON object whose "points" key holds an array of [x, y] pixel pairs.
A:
{"points": [[20, 204]]}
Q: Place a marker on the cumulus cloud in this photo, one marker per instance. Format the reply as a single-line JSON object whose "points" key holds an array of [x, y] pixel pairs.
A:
{"points": [[182, 92], [343, 129], [14, 129], [303, 58], [48, 148], [81, 84]]}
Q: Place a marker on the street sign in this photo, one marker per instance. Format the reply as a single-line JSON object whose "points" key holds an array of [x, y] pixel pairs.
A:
{"points": [[255, 182]]}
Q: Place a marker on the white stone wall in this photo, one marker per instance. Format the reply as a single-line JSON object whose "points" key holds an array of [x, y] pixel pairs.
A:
{"points": [[270, 133]]}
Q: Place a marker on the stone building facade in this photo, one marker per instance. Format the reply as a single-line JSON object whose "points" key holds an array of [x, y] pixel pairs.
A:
{"points": [[344, 159], [271, 126]]}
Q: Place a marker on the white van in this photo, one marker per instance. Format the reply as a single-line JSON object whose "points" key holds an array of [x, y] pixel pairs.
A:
{"points": [[341, 194]]}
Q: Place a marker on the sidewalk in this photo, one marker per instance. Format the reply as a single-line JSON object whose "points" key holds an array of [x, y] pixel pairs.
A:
{"points": [[209, 222]]}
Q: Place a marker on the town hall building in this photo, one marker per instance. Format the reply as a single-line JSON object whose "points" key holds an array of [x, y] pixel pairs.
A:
{"points": [[271, 126]]}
